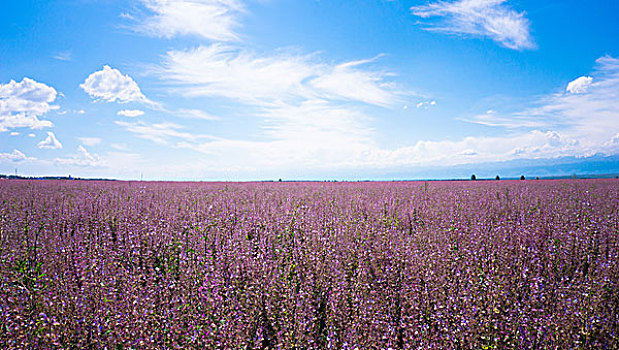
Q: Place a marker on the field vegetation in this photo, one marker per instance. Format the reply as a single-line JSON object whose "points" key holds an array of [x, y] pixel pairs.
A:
{"points": [[398, 265]]}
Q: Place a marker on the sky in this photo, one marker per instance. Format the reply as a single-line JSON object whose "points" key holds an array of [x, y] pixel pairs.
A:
{"points": [[306, 89]]}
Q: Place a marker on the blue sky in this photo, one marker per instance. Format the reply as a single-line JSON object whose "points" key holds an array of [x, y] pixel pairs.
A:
{"points": [[267, 89]]}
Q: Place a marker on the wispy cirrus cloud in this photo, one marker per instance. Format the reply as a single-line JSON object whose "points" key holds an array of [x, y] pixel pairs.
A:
{"points": [[312, 133], [208, 19], [224, 71], [63, 56], [305, 105], [493, 19], [194, 114], [23, 103], [161, 133], [90, 141], [309, 110], [492, 118], [349, 81]]}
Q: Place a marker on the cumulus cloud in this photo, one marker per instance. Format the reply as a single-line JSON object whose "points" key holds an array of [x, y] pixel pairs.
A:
{"points": [[224, 71], [82, 158], [130, 113], [579, 85], [209, 19], [23, 103], [111, 85], [493, 19], [50, 142], [16, 156]]}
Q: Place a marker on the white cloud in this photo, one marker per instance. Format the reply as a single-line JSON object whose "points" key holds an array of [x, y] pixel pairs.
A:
{"points": [[14, 133], [580, 85], [317, 134], [612, 145], [126, 15], [224, 71], [79, 111], [82, 158], [487, 18], [23, 103], [15, 156], [130, 113], [195, 114], [345, 81], [50, 142], [32, 135], [310, 111], [491, 118], [111, 85], [587, 113], [425, 104], [219, 70], [90, 141], [531, 145], [209, 19], [591, 115], [312, 133], [63, 56], [120, 146], [161, 133]]}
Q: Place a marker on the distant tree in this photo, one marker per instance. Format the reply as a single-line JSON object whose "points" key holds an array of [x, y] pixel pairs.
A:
{"points": [[473, 177], [497, 178], [521, 177], [280, 180], [537, 178]]}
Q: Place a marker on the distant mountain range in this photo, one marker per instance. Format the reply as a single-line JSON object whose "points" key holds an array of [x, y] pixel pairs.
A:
{"points": [[585, 167]]}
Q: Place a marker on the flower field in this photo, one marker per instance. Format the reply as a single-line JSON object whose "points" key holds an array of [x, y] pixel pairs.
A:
{"points": [[395, 265]]}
